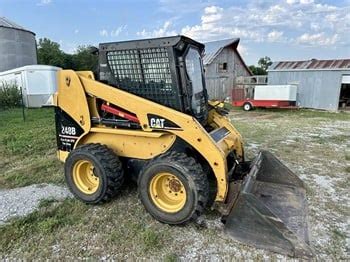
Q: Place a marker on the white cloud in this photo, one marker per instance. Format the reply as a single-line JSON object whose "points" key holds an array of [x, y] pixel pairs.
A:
{"points": [[165, 30], [216, 22], [212, 14], [242, 49], [306, 2], [277, 22], [275, 36], [324, 8], [319, 39], [315, 26], [290, 21], [103, 32], [116, 32], [113, 33], [44, 2], [76, 31], [303, 2], [273, 15]]}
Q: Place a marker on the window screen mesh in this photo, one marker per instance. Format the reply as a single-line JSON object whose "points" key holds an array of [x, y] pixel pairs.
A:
{"points": [[144, 72]]}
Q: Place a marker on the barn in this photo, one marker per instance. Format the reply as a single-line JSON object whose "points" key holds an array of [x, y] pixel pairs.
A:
{"points": [[223, 64], [322, 84]]}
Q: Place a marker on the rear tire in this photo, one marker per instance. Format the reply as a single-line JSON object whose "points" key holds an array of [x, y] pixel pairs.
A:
{"points": [[94, 174], [247, 107], [173, 188]]}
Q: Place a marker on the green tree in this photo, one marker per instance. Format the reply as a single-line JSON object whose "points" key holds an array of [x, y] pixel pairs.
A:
{"points": [[84, 59], [256, 70], [265, 62], [10, 95], [49, 53]]}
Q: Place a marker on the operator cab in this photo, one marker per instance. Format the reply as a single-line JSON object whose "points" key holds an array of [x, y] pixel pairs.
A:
{"points": [[168, 71]]}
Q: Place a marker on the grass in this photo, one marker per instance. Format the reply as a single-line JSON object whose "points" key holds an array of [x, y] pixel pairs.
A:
{"points": [[171, 258], [80, 230], [33, 136], [310, 142], [47, 220], [299, 113], [27, 148], [347, 157], [151, 239], [338, 239]]}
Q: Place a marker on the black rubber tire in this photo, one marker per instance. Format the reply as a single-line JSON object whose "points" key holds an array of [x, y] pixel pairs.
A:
{"points": [[107, 167], [192, 177], [247, 107]]}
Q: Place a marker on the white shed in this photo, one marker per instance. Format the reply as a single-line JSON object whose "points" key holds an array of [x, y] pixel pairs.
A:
{"points": [[38, 83]]}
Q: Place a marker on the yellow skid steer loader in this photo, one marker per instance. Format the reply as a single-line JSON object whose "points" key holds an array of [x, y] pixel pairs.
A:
{"points": [[148, 118]]}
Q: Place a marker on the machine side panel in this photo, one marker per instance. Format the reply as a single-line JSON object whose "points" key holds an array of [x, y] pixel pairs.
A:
{"points": [[67, 130]]}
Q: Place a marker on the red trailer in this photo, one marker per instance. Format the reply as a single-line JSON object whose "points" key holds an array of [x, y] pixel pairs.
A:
{"points": [[266, 96]]}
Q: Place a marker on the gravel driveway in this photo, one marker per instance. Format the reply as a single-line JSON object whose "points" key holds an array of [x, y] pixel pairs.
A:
{"points": [[24, 200]]}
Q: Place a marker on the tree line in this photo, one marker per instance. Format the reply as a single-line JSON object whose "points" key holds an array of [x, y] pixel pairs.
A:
{"points": [[262, 67], [50, 53]]}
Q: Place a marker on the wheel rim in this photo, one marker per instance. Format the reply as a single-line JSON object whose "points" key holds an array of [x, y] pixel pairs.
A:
{"points": [[84, 177], [246, 107], [167, 192]]}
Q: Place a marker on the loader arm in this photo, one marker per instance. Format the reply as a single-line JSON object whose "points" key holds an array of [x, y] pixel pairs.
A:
{"points": [[77, 88]]}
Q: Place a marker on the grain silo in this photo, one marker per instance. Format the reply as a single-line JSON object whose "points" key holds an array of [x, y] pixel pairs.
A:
{"points": [[17, 46]]}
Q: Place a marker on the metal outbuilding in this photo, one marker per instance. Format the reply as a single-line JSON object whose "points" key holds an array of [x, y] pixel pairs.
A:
{"points": [[223, 64], [17, 46], [322, 84]]}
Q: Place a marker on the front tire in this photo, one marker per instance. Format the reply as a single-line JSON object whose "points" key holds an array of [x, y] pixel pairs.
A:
{"points": [[173, 188], [94, 174]]}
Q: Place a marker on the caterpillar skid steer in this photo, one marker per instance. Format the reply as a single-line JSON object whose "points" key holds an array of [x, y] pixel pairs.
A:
{"points": [[148, 117]]}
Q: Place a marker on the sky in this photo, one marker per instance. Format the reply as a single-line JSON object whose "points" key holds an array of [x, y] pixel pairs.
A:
{"points": [[280, 29]]}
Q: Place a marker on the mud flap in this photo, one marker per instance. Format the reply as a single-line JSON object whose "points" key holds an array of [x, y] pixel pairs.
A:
{"points": [[270, 212]]}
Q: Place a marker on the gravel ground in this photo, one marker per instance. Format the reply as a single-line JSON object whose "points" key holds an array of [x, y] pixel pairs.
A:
{"points": [[22, 201]]}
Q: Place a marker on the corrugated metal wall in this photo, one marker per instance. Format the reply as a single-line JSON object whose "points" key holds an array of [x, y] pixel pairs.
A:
{"points": [[317, 89], [220, 84], [17, 48]]}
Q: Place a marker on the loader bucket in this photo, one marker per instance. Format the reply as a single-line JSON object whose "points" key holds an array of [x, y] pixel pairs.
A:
{"points": [[270, 211]]}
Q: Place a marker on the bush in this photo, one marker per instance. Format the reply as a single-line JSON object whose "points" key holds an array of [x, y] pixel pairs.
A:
{"points": [[10, 96]]}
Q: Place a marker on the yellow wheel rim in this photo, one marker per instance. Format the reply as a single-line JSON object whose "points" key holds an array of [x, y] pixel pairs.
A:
{"points": [[84, 177], [167, 192]]}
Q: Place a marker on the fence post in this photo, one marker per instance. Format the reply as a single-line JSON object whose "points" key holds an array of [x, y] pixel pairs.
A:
{"points": [[23, 113]]}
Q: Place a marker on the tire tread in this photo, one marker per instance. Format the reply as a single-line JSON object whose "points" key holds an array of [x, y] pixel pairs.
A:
{"points": [[111, 166], [195, 170]]}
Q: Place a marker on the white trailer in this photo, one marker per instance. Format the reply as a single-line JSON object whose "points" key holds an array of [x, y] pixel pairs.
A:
{"points": [[275, 92], [269, 96], [37, 82]]}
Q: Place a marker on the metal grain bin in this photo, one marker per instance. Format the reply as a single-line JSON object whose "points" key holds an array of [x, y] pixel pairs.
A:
{"points": [[17, 46]]}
